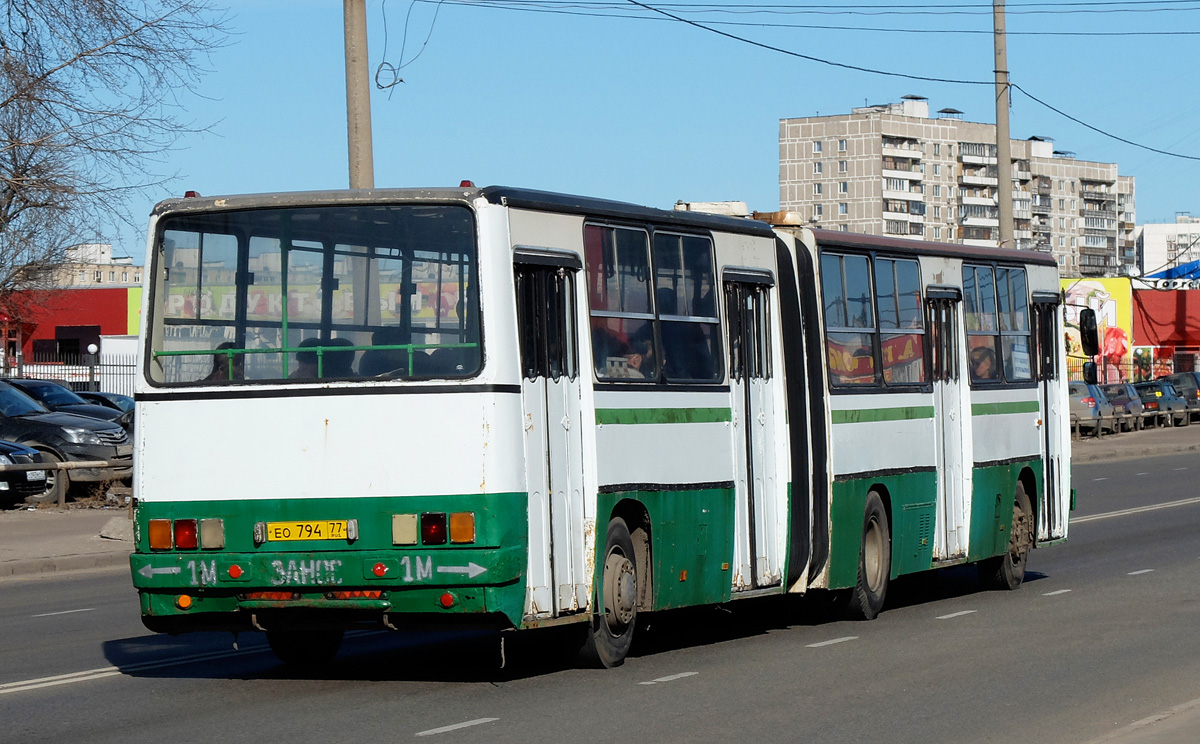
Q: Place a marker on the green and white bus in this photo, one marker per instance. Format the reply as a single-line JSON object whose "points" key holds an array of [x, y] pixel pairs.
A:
{"points": [[510, 408]]}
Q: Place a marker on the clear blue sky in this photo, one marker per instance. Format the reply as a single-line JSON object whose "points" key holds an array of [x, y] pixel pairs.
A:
{"points": [[655, 111]]}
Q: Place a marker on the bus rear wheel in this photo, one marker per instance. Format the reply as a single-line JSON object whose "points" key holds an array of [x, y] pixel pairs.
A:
{"points": [[305, 648], [874, 561], [1008, 571], [615, 616]]}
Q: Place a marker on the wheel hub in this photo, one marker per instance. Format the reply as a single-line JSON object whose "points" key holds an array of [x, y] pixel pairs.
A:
{"points": [[620, 592]]}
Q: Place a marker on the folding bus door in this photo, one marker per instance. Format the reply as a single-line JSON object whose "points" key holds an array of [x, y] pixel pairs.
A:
{"points": [[1055, 497], [951, 416], [558, 579], [758, 558]]}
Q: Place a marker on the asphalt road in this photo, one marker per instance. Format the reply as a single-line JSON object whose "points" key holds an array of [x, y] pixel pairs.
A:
{"points": [[1103, 633]]}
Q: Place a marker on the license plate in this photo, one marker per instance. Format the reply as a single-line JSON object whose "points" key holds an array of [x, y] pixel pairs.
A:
{"points": [[35, 475], [328, 529]]}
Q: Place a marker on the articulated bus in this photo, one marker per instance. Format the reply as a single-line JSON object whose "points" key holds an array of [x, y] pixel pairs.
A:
{"points": [[510, 408]]}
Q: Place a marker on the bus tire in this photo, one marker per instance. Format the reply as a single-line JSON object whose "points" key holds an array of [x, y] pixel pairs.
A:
{"points": [[874, 561], [1008, 571], [57, 481], [615, 611], [305, 648]]}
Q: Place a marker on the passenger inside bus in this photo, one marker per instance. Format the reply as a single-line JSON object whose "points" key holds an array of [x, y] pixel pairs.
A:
{"points": [[983, 364], [306, 361], [220, 370], [383, 361]]}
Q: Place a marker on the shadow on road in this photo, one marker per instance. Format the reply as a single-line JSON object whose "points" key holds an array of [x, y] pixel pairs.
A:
{"points": [[493, 657]]}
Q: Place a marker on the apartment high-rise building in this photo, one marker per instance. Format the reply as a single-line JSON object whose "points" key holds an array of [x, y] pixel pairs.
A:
{"points": [[892, 170]]}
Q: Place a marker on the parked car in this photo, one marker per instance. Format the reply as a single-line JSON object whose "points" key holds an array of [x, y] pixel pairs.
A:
{"points": [[1172, 410], [18, 485], [1187, 384], [1122, 395], [123, 403], [1090, 410], [59, 397], [61, 437]]}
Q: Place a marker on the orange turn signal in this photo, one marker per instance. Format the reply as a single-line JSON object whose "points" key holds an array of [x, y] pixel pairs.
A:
{"points": [[183, 601], [462, 527], [160, 534]]}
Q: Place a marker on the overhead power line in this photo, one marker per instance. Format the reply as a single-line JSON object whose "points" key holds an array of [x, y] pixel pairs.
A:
{"points": [[809, 57], [858, 68]]}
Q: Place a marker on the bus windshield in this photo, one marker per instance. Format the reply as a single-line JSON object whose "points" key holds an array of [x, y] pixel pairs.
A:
{"points": [[372, 291]]}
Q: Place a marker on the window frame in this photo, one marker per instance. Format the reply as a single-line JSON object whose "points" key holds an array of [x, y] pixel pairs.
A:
{"points": [[877, 333], [655, 317], [997, 334]]}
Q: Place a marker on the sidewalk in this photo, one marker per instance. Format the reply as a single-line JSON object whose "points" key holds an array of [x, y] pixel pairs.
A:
{"points": [[1136, 444], [46, 541]]}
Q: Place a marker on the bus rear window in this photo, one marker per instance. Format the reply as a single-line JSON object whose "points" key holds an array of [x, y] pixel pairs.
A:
{"points": [[315, 293]]}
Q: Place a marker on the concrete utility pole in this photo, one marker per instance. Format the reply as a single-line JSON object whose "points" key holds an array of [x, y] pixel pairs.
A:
{"points": [[358, 96], [1003, 144]]}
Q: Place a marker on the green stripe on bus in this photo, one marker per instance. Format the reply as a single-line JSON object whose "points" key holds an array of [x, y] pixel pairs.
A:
{"points": [[991, 409], [865, 415], [662, 415]]}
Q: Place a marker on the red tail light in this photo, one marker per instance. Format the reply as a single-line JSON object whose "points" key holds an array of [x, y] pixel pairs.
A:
{"points": [[433, 528], [1152, 405], [186, 535], [1090, 401]]}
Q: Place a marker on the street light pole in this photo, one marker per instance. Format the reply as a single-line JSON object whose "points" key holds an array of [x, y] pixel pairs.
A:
{"points": [[358, 96], [1003, 144]]}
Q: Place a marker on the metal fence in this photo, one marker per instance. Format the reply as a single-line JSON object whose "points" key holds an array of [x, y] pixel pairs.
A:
{"points": [[107, 373]]}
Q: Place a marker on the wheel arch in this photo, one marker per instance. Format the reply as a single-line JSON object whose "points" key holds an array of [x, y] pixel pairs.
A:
{"points": [[885, 495], [1029, 481], [637, 519]]}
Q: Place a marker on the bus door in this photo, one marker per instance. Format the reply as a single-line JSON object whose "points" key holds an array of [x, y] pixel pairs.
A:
{"points": [[757, 555], [950, 419], [1052, 511], [558, 578]]}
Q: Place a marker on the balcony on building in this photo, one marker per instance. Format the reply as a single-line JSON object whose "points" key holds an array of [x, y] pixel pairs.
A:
{"points": [[982, 201], [971, 179], [901, 147]]}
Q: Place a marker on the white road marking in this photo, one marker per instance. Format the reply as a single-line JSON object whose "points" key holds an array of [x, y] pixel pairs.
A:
{"points": [[1054, 594], [1098, 479], [831, 642], [64, 612], [1180, 468], [456, 726], [1136, 510], [1143, 571], [109, 671], [669, 678], [956, 614], [1141, 474]]}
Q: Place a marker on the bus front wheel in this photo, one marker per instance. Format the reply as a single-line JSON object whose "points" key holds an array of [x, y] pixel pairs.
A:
{"points": [[305, 648], [1008, 571], [614, 619], [874, 561]]}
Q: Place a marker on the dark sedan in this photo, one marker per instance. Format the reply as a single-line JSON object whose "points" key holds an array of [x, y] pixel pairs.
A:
{"points": [[61, 437], [18, 485], [58, 397], [122, 403]]}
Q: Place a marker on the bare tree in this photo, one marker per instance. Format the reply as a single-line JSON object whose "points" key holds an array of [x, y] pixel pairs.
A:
{"points": [[91, 102]]}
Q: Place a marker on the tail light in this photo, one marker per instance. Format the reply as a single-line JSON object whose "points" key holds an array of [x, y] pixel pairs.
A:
{"points": [[1090, 401], [1152, 405], [187, 535], [160, 534], [433, 528]]}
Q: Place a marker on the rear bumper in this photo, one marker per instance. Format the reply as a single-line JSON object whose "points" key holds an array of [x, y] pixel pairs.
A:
{"points": [[224, 591]]}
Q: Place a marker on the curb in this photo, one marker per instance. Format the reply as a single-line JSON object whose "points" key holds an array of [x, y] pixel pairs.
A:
{"points": [[1130, 453], [59, 564]]}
